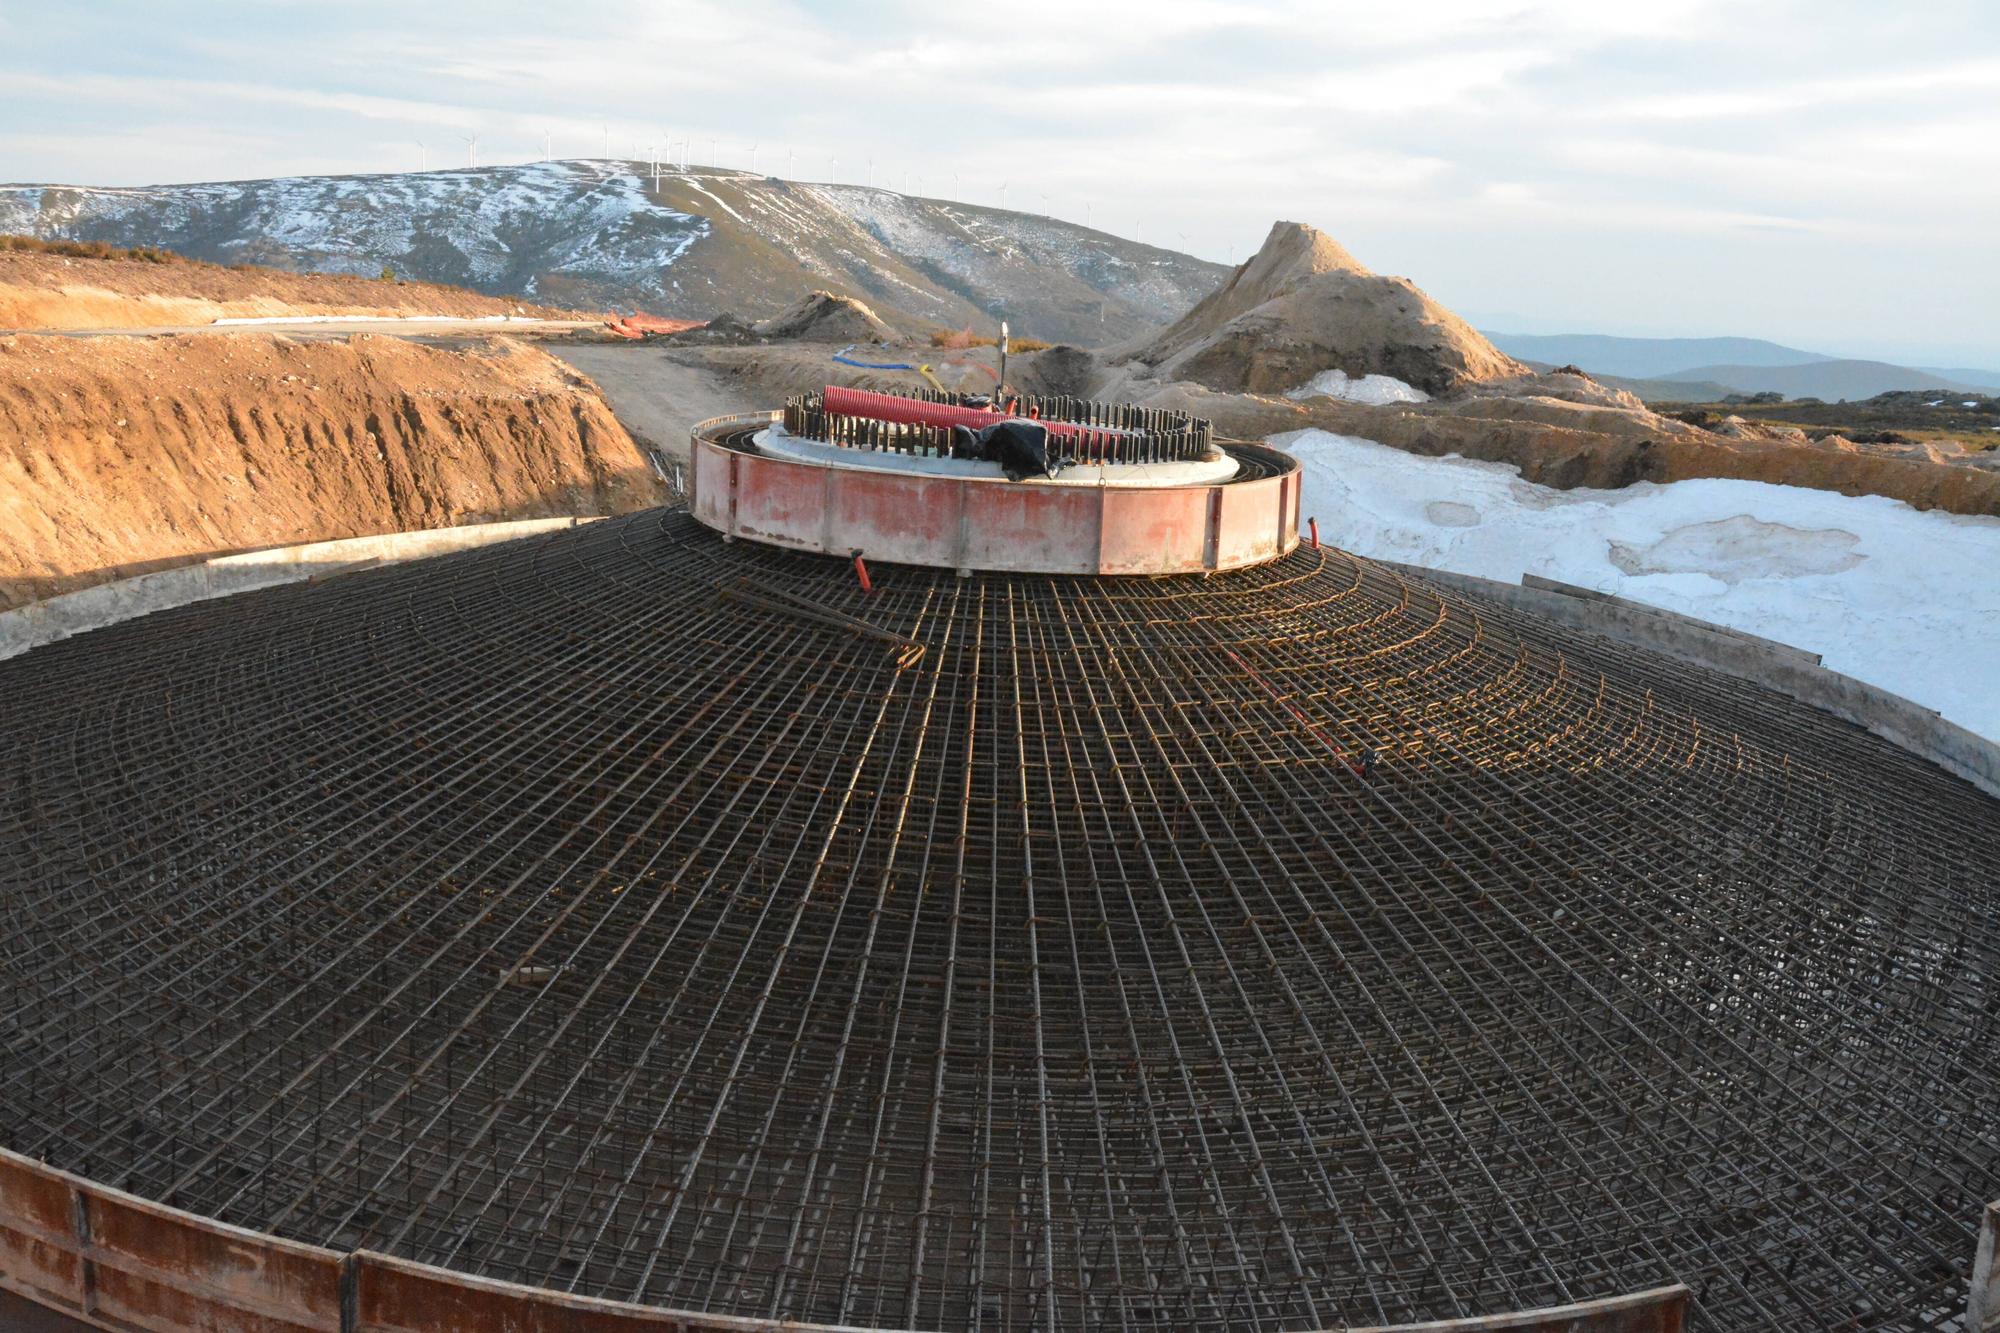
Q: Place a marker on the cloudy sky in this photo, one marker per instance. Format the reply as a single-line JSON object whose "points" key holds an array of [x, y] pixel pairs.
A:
{"points": [[1824, 173]]}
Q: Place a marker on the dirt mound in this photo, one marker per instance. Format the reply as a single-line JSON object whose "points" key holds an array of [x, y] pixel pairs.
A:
{"points": [[123, 455], [1292, 253], [42, 291], [825, 317], [1303, 305], [1568, 385]]}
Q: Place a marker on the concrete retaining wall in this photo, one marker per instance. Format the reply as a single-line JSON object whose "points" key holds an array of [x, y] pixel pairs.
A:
{"points": [[1790, 671], [38, 623]]}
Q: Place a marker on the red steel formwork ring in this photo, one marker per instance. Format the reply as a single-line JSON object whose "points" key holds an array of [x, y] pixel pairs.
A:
{"points": [[986, 523]]}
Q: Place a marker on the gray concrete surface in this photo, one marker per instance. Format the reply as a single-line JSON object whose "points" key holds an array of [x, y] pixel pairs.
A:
{"points": [[42, 622], [1790, 671]]}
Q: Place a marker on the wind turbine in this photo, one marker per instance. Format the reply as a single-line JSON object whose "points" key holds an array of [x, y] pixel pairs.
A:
{"points": [[423, 156], [753, 157], [607, 143], [789, 154], [545, 145], [712, 154], [871, 172], [1003, 194], [836, 168], [471, 149]]}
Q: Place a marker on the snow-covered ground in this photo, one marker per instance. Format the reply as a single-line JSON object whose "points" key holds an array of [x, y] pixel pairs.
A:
{"points": [[1376, 389], [1902, 599]]}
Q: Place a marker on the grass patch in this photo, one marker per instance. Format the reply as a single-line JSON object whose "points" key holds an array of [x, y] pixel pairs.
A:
{"points": [[35, 245]]}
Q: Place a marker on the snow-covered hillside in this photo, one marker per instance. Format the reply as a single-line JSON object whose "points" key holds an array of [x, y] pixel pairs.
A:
{"points": [[702, 241], [989, 249], [1883, 592], [506, 230]]}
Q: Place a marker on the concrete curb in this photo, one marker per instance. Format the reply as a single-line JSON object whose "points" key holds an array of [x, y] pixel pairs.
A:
{"points": [[58, 618], [1790, 671]]}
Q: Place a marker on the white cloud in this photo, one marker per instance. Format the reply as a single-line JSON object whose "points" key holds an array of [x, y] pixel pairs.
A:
{"points": [[1417, 132]]}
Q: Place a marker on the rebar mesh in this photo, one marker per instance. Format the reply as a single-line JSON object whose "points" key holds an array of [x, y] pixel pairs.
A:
{"points": [[1112, 432], [1263, 951]]}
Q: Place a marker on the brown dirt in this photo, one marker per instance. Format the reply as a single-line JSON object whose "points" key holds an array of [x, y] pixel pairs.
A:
{"points": [[123, 455], [1302, 305], [825, 317], [55, 292]]}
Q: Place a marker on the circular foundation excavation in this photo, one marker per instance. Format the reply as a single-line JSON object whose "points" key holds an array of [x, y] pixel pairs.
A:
{"points": [[652, 913]]}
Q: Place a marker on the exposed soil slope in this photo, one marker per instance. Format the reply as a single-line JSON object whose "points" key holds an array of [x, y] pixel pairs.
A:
{"points": [[121, 455], [53, 292], [1303, 305]]}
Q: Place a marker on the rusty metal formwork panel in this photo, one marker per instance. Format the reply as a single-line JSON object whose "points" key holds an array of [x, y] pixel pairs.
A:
{"points": [[131, 1264], [991, 524], [638, 916]]}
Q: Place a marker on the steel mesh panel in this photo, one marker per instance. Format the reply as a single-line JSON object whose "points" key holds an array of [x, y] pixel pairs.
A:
{"points": [[1272, 950]]}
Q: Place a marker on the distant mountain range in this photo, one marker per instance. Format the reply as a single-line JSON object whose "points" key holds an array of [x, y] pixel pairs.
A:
{"points": [[1706, 369], [596, 234]]}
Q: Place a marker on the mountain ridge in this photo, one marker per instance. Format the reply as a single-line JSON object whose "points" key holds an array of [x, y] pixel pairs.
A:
{"points": [[703, 241], [1658, 370], [1649, 358]]}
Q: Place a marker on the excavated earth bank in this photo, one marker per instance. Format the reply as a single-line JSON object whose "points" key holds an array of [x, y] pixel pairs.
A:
{"points": [[123, 455]]}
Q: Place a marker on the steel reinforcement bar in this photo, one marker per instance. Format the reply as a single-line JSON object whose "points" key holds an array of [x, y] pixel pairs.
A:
{"points": [[919, 422]]}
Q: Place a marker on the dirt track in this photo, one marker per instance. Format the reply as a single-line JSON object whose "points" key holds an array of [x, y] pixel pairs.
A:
{"points": [[121, 455], [658, 396], [54, 292]]}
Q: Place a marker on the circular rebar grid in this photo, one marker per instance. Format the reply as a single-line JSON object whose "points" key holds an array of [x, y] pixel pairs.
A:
{"points": [[634, 914]]}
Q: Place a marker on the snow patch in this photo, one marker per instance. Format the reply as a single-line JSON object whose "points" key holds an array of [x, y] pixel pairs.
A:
{"points": [[584, 220], [1881, 591], [1376, 389], [1728, 548]]}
